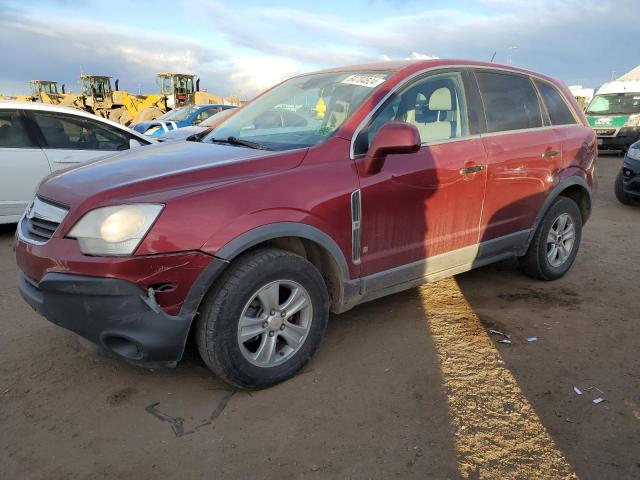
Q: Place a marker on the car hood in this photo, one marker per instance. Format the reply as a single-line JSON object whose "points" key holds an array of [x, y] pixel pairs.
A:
{"points": [[158, 172], [179, 134]]}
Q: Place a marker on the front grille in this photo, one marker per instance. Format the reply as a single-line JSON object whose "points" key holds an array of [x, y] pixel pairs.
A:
{"points": [[40, 221], [41, 229], [605, 131]]}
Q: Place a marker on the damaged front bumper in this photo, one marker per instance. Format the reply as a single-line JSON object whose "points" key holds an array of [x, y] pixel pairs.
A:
{"points": [[139, 308], [115, 314]]}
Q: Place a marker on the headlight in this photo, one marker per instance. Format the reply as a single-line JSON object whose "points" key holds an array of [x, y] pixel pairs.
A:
{"points": [[633, 121], [114, 230], [634, 153]]}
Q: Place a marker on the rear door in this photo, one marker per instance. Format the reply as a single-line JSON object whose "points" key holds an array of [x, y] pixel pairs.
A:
{"points": [[22, 164], [573, 135], [524, 155], [425, 204], [69, 140]]}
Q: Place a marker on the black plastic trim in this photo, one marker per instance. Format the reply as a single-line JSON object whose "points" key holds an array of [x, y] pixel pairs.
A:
{"points": [[284, 229]]}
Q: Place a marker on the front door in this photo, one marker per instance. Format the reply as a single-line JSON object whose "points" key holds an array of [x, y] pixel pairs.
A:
{"points": [[69, 140], [425, 205]]}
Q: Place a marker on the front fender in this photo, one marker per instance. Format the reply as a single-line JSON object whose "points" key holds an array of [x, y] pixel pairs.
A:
{"points": [[248, 231]]}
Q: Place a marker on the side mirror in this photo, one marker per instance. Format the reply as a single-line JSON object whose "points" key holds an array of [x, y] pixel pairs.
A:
{"points": [[393, 137]]}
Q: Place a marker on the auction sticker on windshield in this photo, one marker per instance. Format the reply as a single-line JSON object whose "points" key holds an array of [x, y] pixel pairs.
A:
{"points": [[370, 81]]}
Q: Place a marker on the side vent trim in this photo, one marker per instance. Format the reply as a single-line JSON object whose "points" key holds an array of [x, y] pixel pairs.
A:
{"points": [[356, 217]]}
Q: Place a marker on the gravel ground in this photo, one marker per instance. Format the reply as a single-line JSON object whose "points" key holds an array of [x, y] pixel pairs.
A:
{"points": [[409, 386]]}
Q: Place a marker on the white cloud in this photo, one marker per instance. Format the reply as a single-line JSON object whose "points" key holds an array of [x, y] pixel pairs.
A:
{"points": [[420, 56], [257, 73], [576, 40]]}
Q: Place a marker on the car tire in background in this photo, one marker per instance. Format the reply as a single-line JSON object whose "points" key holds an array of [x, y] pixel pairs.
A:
{"points": [[555, 244], [147, 115], [621, 195], [264, 319]]}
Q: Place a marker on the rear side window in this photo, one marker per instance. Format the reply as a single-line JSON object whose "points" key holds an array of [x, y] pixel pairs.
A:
{"points": [[510, 102], [559, 112], [12, 131], [79, 133]]}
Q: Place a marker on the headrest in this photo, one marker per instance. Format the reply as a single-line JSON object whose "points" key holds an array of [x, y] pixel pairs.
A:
{"points": [[440, 100]]}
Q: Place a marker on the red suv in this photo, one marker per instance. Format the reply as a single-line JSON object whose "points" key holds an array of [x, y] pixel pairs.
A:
{"points": [[329, 190]]}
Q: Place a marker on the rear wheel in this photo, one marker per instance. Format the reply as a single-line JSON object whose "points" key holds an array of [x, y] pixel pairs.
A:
{"points": [[264, 320], [621, 195], [147, 115], [555, 244], [116, 114]]}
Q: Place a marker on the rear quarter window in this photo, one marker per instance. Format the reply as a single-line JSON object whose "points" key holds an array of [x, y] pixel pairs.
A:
{"points": [[510, 102], [559, 112]]}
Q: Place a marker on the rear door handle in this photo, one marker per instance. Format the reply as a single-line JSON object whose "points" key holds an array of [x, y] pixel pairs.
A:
{"points": [[550, 153], [469, 170]]}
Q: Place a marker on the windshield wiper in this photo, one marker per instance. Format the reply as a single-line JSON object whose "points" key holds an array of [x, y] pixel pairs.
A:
{"points": [[239, 141]]}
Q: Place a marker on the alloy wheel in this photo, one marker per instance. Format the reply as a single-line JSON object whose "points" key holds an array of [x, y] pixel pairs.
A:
{"points": [[560, 240], [275, 323]]}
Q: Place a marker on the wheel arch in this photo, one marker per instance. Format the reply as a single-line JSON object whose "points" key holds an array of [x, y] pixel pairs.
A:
{"points": [[573, 187], [307, 241]]}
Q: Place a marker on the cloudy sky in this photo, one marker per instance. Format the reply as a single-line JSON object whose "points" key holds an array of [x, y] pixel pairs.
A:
{"points": [[244, 47]]}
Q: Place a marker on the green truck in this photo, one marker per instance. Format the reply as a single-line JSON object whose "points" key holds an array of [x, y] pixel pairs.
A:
{"points": [[614, 112]]}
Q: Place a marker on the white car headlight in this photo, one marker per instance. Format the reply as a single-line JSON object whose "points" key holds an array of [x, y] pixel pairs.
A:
{"points": [[634, 153], [116, 230]]}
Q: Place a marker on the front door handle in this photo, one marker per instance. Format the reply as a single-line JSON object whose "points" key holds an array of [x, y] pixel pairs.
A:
{"points": [[550, 153], [470, 170]]}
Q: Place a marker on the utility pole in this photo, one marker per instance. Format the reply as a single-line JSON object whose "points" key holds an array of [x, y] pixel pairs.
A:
{"points": [[510, 55]]}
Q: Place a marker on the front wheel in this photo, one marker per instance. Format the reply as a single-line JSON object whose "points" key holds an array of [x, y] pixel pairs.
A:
{"points": [[264, 320], [621, 195], [555, 244]]}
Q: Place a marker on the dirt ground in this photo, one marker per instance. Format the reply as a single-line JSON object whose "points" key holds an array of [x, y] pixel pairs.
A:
{"points": [[409, 386]]}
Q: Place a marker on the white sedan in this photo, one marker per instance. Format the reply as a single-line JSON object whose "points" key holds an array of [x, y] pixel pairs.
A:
{"points": [[37, 139]]}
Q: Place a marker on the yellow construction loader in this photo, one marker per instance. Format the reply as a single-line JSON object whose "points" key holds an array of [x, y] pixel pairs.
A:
{"points": [[118, 105], [46, 91]]}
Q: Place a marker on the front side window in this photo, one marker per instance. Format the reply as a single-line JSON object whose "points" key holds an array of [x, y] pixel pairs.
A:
{"points": [[301, 112], [615, 103], [12, 131], [178, 114], [510, 102], [78, 133], [166, 87], [435, 105], [559, 112], [204, 114]]}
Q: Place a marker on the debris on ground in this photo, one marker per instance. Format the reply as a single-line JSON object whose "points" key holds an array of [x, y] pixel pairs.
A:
{"points": [[505, 341], [577, 390], [598, 400], [498, 332], [532, 339]]}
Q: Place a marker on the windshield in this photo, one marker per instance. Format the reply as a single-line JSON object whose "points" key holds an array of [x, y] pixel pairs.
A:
{"points": [[615, 103], [178, 115], [301, 112]]}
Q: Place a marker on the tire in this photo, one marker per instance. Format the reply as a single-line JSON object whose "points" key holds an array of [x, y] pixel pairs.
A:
{"points": [[621, 195], [147, 115], [537, 262], [116, 114], [218, 333]]}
